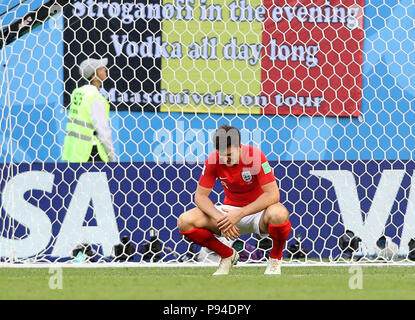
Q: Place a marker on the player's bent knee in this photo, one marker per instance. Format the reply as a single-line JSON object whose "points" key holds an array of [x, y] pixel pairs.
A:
{"points": [[187, 220], [277, 214], [184, 222]]}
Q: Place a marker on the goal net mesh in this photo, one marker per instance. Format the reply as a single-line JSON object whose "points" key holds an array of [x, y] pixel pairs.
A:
{"points": [[324, 88]]}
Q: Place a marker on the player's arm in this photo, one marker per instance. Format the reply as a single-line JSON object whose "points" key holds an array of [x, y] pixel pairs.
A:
{"points": [[204, 187], [270, 196], [202, 200], [204, 203]]}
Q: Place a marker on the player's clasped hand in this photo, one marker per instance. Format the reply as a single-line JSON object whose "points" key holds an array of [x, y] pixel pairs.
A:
{"points": [[227, 224], [232, 233]]}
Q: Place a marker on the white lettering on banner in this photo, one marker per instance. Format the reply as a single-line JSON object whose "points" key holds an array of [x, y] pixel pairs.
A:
{"points": [[152, 47], [248, 52], [408, 231], [295, 53], [21, 211], [303, 101], [91, 186], [239, 11], [130, 12], [373, 226]]}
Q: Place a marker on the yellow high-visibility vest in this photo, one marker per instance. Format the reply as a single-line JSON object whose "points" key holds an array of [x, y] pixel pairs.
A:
{"points": [[80, 130]]}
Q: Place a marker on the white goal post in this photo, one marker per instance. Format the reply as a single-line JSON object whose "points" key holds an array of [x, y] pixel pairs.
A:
{"points": [[325, 88]]}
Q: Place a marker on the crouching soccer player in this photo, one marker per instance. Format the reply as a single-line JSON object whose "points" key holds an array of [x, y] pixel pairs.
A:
{"points": [[251, 202]]}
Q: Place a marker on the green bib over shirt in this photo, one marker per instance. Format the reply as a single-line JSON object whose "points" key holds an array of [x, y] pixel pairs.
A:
{"points": [[80, 130]]}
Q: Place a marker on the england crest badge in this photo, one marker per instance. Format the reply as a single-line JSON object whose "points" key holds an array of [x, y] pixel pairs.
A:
{"points": [[247, 176]]}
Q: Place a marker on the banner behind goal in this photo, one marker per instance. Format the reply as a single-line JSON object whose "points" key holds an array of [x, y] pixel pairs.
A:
{"points": [[324, 88]]}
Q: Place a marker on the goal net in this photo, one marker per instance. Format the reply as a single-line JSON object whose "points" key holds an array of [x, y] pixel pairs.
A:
{"points": [[324, 88]]}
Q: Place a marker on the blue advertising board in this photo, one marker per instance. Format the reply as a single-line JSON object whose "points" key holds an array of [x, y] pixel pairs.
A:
{"points": [[49, 209]]}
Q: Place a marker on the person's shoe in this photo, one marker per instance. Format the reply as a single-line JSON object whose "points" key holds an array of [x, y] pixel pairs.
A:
{"points": [[226, 264], [273, 267]]}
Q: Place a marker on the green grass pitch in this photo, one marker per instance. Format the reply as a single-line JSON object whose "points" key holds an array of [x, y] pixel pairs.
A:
{"points": [[196, 283]]}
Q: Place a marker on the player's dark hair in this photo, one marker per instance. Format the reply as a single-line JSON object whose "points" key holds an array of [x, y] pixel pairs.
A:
{"points": [[226, 136]]}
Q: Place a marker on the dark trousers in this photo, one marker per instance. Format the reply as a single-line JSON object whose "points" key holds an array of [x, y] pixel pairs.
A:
{"points": [[94, 157]]}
